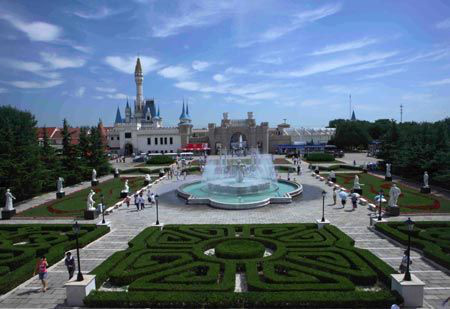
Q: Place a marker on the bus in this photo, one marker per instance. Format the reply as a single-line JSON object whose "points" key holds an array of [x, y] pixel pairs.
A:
{"points": [[187, 155]]}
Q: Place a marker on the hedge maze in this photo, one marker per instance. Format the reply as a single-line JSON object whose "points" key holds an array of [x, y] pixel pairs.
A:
{"points": [[432, 237], [22, 244], [289, 265]]}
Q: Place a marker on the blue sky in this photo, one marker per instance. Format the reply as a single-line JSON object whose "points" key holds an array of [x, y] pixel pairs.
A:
{"points": [[297, 60]]}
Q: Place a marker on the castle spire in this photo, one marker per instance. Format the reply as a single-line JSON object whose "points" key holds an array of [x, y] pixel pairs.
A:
{"points": [[138, 67], [187, 109], [158, 112], [353, 116], [118, 116], [183, 112]]}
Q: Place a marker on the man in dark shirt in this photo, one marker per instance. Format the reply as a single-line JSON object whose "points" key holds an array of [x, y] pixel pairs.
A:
{"points": [[70, 264]]}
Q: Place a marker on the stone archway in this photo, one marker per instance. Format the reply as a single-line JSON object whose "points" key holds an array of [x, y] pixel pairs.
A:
{"points": [[128, 149], [234, 140]]}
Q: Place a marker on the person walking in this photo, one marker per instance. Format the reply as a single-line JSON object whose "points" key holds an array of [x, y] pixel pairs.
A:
{"points": [[184, 175], [69, 261], [343, 201], [354, 201], [153, 198], [141, 200], [136, 201], [41, 269], [404, 262], [149, 197], [334, 195]]}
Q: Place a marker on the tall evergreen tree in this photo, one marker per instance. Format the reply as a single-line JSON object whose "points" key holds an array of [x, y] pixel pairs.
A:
{"points": [[71, 161], [51, 162]]}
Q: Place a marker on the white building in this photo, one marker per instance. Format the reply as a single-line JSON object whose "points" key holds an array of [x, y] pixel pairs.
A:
{"points": [[143, 131]]}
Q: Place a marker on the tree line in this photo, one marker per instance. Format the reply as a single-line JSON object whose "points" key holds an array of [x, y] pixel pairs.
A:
{"points": [[29, 168], [410, 147]]}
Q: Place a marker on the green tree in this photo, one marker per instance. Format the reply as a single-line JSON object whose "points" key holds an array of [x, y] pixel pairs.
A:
{"points": [[98, 158], [71, 160], [51, 162]]}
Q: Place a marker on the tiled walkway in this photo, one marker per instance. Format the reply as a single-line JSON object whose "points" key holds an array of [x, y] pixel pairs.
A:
{"points": [[127, 223]]}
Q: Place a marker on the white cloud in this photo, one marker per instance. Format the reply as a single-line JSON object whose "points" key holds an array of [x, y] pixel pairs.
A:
{"points": [[233, 70], [383, 74], [175, 72], [127, 64], [329, 49], [311, 102], [445, 81], [296, 22], [220, 78], [98, 97], [29, 66], [270, 60], [200, 65], [117, 96], [3, 90], [58, 62], [345, 89], [100, 13], [193, 15], [80, 92], [104, 89], [417, 97], [36, 31], [35, 85], [444, 24]]}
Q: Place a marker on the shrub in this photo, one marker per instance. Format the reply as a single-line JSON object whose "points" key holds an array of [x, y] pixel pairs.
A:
{"points": [[319, 157], [160, 160], [240, 249]]}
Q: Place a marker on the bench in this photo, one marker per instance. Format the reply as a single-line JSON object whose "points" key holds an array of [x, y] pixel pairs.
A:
{"points": [[362, 201]]}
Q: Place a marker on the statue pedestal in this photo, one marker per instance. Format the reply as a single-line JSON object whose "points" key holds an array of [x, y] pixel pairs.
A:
{"points": [[116, 175], [90, 214], [60, 194], [393, 211], [365, 170], [123, 194], [333, 179], [426, 190], [317, 172], [388, 178], [359, 191], [76, 291], [411, 291], [374, 219], [161, 174], [321, 224], [8, 214], [146, 182], [94, 183]]}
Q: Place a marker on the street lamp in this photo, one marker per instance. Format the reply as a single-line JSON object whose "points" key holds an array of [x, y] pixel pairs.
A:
{"points": [[323, 205], [380, 200], [410, 224], [156, 202], [76, 230], [103, 208]]}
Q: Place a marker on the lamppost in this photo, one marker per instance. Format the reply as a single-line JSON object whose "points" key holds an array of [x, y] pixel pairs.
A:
{"points": [[323, 205], [76, 230], [410, 224], [156, 202], [103, 208], [380, 200]]}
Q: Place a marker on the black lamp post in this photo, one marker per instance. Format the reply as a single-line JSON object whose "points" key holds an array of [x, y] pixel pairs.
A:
{"points": [[380, 200], [157, 215], [410, 224], [76, 229], [323, 205], [103, 209]]}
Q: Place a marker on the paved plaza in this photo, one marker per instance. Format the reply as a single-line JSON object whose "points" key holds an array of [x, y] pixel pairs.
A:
{"points": [[126, 223]]}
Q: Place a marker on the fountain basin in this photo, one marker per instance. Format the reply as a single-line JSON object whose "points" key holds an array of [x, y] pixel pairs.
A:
{"points": [[247, 186]]}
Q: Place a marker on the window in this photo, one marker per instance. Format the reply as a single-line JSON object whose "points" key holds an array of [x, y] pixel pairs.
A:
{"points": [[118, 138], [156, 141], [171, 140], [165, 140], [149, 141], [127, 134], [161, 140], [112, 138]]}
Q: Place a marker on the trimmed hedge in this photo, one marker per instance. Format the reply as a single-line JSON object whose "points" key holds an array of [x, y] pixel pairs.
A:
{"points": [[17, 262], [432, 237], [142, 170], [319, 157], [307, 268], [160, 160]]}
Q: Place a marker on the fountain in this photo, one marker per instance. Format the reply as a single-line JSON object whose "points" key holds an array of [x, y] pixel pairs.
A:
{"points": [[239, 183]]}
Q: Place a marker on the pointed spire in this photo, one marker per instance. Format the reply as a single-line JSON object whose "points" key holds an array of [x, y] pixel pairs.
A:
{"points": [[353, 116], [128, 105], [118, 116], [138, 68], [159, 115], [183, 112], [187, 109]]}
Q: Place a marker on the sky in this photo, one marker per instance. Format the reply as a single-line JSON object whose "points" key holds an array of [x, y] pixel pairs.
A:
{"points": [[294, 60]]}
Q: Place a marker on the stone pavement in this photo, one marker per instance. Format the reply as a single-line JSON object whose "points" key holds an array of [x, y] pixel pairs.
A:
{"points": [[127, 222]]}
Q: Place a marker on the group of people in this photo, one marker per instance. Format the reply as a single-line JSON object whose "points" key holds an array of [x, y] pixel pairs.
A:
{"points": [[139, 200], [175, 172], [42, 265], [353, 198]]}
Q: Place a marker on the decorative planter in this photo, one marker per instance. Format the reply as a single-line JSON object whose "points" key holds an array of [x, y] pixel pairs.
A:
{"points": [[76, 291], [411, 291], [321, 224]]}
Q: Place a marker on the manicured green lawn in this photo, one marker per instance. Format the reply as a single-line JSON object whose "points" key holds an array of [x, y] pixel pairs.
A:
{"points": [[433, 237], [73, 205], [22, 244], [410, 201], [324, 162], [281, 265]]}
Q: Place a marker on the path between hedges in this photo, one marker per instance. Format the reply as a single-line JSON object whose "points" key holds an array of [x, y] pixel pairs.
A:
{"points": [[127, 223]]}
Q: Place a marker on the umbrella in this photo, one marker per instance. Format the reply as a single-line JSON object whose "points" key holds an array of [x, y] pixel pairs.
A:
{"points": [[377, 198], [343, 195]]}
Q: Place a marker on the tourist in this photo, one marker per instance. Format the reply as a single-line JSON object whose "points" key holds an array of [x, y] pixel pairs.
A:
{"points": [[127, 201], [149, 197], [136, 201], [69, 261], [404, 262], [299, 169], [153, 198], [184, 175], [354, 162], [141, 200], [334, 195], [354, 201], [41, 269]]}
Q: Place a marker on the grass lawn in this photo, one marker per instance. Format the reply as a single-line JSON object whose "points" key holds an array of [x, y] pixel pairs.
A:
{"points": [[73, 205], [21, 244], [432, 237], [280, 265], [281, 161], [410, 201], [324, 162]]}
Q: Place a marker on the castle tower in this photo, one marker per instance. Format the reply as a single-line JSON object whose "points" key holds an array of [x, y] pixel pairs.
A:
{"points": [[185, 127], [118, 116], [127, 113], [139, 78]]}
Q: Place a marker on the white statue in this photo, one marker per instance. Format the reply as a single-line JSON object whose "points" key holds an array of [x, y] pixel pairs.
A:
{"points": [[356, 184], [59, 184], [116, 171], [126, 188], [332, 175], [90, 201], [425, 179], [394, 194], [94, 175], [388, 170], [9, 200], [147, 177]]}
